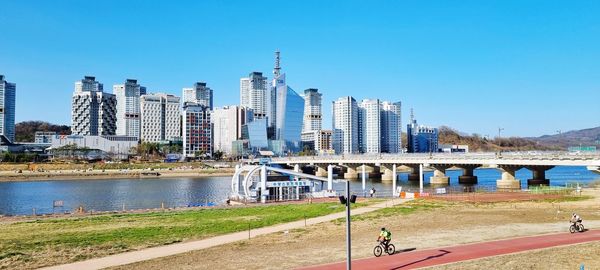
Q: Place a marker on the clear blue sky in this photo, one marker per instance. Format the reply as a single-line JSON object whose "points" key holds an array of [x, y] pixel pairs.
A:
{"points": [[531, 67]]}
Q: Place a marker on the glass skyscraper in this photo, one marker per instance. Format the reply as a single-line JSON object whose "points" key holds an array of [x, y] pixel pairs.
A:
{"points": [[8, 93], [290, 116]]}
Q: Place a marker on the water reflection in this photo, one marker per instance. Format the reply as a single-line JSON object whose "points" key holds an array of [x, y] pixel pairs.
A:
{"points": [[18, 198]]}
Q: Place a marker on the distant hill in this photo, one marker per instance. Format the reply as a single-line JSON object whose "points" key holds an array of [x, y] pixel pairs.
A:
{"points": [[25, 131], [583, 137], [478, 143]]}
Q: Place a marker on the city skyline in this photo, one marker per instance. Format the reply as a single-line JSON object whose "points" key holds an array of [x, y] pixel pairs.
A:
{"points": [[529, 74]]}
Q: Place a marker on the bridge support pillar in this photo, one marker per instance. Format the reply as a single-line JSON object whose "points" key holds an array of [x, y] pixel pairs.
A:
{"points": [[263, 184], [351, 173], [329, 177], [363, 175], [394, 178], [508, 180], [439, 175], [320, 171], [414, 174], [468, 177], [539, 176], [374, 172], [297, 169], [388, 173]]}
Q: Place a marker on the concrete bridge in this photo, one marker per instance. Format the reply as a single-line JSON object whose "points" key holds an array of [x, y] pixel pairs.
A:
{"points": [[386, 165]]}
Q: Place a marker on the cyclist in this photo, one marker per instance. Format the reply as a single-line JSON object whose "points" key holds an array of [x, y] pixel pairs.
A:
{"points": [[385, 237], [576, 219]]}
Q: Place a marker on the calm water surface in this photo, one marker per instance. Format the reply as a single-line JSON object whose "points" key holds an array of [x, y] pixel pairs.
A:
{"points": [[19, 198]]}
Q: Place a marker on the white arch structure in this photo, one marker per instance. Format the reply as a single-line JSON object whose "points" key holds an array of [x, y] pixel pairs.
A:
{"points": [[240, 187]]}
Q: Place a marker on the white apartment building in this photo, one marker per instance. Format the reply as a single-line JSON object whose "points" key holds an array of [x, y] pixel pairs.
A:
{"points": [[255, 94], [313, 116], [128, 107], [93, 111], [391, 127], [369, 120], [200, 94], [160, 118], [227, 126], [8, 93], [345, 125]]}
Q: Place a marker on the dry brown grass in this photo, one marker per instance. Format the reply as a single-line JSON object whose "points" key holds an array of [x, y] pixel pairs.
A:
{"points": [[453, 224]]}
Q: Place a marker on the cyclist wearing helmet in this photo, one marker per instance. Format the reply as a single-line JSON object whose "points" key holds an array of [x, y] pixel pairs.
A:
{"points": [[385, 237]]}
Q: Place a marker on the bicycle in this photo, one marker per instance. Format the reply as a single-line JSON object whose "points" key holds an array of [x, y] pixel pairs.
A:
{"points": [[390, 249], [576, 227]]}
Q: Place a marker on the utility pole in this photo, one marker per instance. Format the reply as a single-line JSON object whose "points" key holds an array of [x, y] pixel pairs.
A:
{"points": [[499, 131]]}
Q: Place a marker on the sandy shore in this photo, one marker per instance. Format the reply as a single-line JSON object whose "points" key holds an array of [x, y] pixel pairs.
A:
{"points": [[11, 176]]}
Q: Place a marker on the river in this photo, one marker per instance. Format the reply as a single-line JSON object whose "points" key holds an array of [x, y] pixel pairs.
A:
{"points": [[19, 198]]}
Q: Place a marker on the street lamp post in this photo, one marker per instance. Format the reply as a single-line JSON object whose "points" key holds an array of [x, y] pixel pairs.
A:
{"points": [[347, 200]]}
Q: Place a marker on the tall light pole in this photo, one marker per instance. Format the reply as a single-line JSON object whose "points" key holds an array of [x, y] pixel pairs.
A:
{"points": [[347, 200], [500, 129]]}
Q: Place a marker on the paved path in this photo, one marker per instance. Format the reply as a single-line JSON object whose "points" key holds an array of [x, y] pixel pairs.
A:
{"points": [[163, 251], [437, 256]]}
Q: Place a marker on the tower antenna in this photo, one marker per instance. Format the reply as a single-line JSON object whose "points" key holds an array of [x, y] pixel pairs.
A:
{"points": [[277, 69]]}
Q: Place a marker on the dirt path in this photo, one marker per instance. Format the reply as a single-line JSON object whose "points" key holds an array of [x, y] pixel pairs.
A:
{"points": [[449, 225], [157, 252], [444, 255]]}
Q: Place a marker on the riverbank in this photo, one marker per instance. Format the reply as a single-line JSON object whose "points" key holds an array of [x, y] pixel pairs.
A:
{"points": [[440, 224], [44, 175], [34, 244]]}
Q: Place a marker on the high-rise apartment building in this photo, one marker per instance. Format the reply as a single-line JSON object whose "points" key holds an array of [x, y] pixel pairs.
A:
{"points": [[345, 125], [197, 130], [128, 107], [227, 126], [8, 92], [421, 139], [391, 127], [93, 111], [200, 94], [313, 116], [369, 122], [160, 118], [255, 94]]}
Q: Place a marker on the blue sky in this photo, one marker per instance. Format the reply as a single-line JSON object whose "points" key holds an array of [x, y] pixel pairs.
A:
{"points": [[531, 67]]}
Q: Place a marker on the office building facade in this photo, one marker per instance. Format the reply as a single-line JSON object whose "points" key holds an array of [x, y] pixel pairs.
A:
{"points": [[93, 111], [8, 93], [289, 116], [197, 130], [160, 118], [200, 94], [345, 125], [128, 107], [421, 139], [227, 126]]}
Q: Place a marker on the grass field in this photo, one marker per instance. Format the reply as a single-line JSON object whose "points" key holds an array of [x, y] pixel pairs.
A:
{"points": [[55, 241]]}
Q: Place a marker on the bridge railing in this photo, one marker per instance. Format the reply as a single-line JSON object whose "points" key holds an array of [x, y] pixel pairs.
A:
{"points": [[532, 155]]}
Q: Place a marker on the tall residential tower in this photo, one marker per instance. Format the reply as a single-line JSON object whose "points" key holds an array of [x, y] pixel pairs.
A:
{"points": [[93, 111], [313, 117], [200, 94], [8, 92], [128, 107], [345, 125]]}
